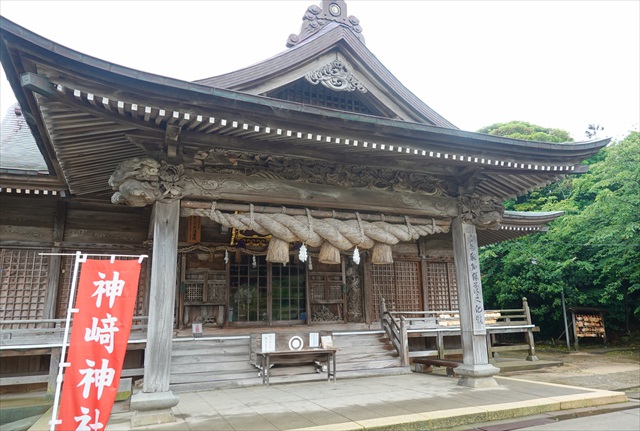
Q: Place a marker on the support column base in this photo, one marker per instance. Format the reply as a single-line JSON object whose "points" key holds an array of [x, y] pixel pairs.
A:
{"points": [[477, 376], [152, 408], [532, 358]]}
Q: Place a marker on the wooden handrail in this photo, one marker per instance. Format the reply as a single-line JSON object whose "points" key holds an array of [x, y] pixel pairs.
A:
{"points": [[397, 325], [397, 333]]}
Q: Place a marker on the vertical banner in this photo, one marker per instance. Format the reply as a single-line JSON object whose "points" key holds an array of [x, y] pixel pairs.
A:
{"points": [[105, 304]]}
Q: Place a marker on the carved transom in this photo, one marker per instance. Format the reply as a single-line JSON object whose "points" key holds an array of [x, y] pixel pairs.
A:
{"points": [[335, 76], [318, 172]]}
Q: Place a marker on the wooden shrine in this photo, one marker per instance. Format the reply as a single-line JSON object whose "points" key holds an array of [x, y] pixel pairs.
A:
{"points": [[296, 192]]}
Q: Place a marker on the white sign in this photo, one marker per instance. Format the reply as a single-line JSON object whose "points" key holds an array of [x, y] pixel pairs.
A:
{"points": [[314, 340], [268, 343]]}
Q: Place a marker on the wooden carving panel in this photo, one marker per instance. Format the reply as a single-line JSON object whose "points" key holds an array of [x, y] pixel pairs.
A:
{"points": [[216, 287]]}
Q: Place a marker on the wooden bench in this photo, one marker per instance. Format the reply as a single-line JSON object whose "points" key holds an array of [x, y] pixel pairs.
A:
{"points": [[431, 362]]}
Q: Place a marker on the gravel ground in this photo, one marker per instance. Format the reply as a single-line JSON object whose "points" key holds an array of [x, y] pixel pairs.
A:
{"points": [[611, 369]]}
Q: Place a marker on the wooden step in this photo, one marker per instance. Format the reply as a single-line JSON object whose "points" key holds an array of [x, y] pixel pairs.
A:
{"points": [[220, 363]]}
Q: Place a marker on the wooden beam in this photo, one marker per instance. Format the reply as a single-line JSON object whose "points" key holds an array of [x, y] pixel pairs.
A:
{"points": [[259, 190]]}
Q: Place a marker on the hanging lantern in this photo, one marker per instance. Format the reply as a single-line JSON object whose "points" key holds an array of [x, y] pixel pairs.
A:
{"points": [[303, 253], [253, 261], [226, 257], [310, 264], [356, 256]]}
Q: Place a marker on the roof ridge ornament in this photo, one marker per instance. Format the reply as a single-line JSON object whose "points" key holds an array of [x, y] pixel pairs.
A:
{"points": [[315, 18]]}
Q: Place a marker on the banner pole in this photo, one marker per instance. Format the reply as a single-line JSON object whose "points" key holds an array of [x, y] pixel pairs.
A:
{"points": [[72, 291]]}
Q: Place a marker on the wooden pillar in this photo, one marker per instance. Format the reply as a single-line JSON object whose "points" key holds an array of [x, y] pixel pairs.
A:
{"points": [[153, 404], [529, 334], [55, 261], [475, 370]]}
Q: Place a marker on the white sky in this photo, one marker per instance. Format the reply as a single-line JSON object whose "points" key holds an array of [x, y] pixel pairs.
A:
{"points": [[561, 64]]}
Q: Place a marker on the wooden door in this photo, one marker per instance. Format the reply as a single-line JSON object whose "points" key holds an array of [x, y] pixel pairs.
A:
{"points": [[326, 297]]}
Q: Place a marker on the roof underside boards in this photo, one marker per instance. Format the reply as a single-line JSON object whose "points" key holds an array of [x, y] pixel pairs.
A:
{"points": [[332, 42], [91, 139]]}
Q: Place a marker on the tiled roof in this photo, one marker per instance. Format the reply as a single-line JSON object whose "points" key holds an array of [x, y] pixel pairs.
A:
{"points": [[18, 149]]}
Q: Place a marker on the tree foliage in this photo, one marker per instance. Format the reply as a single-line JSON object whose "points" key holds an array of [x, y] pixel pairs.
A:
{"points": [[527, 131], [592, 253]]}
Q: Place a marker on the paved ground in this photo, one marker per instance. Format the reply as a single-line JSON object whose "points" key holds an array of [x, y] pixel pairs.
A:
{"points": [[412, 401], [418, 401]]}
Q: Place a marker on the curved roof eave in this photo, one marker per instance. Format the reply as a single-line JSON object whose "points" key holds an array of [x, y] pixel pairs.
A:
{"points": [[520, 217], [190, 91], [516, 224]]}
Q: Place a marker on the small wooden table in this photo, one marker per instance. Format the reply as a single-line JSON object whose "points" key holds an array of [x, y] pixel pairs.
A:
{"points": [[267, 359]]}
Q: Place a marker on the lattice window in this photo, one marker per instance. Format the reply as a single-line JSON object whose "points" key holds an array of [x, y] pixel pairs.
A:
{"points": [[399, 284], [408, 286], [382, 281], [318, 95], [288, 291], [248, 291], [326, 286], [194, 287], [23, 284], [195, 281], [442, 292], [65, 284]]}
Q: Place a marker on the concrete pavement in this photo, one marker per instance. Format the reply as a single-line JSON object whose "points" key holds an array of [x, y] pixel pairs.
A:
{"points": [[400, 402], [411, 401]]}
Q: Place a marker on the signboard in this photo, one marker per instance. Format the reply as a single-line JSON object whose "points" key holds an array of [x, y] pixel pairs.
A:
{"points": [[268, 343], [104, 310]]}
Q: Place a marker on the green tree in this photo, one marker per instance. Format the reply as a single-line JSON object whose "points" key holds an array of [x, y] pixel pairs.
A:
{"points": [[592, 253], [527, 132]]}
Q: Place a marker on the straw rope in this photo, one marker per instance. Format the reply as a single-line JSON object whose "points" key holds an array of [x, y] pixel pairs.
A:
{"points": [[341, 234]]}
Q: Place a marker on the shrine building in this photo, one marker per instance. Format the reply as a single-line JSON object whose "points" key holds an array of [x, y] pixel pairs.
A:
{"points": [[311, 192]]}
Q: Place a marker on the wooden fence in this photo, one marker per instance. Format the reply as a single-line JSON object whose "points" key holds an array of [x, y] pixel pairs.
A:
{"points": [[25, 340]]}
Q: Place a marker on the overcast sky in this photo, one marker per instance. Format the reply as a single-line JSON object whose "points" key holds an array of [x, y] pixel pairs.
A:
{"points": [[561, 64]]}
